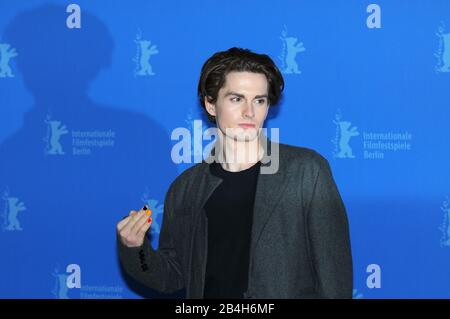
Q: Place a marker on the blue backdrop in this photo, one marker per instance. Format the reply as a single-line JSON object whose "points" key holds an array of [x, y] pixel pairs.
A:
{"points": [[90, 95]]}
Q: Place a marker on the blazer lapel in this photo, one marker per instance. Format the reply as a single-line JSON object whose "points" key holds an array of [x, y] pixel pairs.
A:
{"points": [[269, 189]]}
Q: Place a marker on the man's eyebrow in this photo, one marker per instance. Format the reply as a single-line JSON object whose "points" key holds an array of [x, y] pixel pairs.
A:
{"points": [[242, 95]]}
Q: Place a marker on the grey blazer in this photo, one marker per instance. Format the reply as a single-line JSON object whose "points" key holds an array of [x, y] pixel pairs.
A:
{"points": [[300, 245]]}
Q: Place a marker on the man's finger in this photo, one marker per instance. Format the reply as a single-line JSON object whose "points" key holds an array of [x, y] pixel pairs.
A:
{"points": [[125, 221], [134, 217], [122, 223], [142, 220], [145, 227], [146, 209]]}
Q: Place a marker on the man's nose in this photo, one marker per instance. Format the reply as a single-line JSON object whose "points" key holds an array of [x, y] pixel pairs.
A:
{"points": [[248, 110]]}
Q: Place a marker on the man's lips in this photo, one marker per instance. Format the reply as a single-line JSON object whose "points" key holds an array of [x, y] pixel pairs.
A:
{"points": [[246, 125]]}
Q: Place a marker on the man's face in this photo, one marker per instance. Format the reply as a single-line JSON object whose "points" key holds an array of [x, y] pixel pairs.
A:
{"points": [[242, 100]]}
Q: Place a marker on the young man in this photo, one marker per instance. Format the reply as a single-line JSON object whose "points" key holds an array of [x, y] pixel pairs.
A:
{"points": [[235, 227]]}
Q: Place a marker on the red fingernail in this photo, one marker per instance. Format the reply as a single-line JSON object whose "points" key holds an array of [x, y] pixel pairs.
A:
{"points": [[149, 220]]}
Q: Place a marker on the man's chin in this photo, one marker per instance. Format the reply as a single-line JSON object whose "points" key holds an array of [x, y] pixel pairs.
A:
{"points": [[246, 137], [243, 135]]}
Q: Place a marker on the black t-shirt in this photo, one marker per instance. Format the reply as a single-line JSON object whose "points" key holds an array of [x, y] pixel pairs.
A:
{"points": [[230, 215]]}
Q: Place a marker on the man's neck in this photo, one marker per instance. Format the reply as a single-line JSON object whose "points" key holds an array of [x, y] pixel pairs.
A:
{"points": [[239, 155]]}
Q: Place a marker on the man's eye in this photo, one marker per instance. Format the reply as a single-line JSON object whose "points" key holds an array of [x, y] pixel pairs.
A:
{"points": [[261, 101], [235, 99]]}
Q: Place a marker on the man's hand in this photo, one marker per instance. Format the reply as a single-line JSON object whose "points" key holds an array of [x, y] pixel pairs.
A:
{"points": [[132, 229]]}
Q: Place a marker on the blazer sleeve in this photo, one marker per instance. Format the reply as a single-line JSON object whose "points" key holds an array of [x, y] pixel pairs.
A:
{"points": [[329, 236], [157, 269]]}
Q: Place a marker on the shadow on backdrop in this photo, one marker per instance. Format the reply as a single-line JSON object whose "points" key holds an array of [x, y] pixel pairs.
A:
{"points": [[69, 190]]}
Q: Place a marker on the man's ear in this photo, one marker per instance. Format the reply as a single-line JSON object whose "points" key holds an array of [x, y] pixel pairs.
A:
{"points": [[210, 108]]}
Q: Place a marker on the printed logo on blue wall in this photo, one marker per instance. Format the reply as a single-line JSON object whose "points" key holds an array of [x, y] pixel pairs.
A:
{"points": [[6, 53], [101, 292], [445, 226], [344, 132], [60, 289], [374, 146], [12, 207], [83, 142], [291, 47], [55, 129], [144, 50], [68, 285], [64, 281], [443, 51]]}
